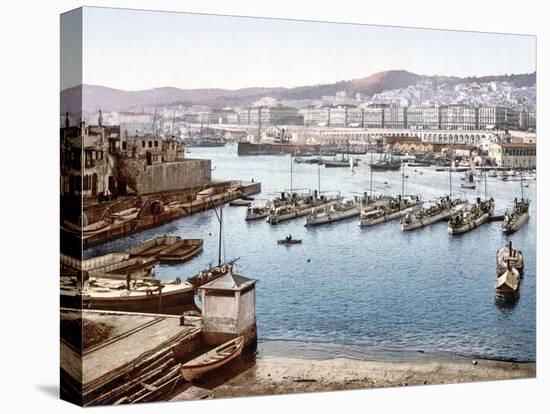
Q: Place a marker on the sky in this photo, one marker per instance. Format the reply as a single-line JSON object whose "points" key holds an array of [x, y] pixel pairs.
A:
{"points": [[135, 50]]}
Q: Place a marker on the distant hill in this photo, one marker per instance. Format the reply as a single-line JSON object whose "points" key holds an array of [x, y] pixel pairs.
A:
{"points": [[96, 97]]}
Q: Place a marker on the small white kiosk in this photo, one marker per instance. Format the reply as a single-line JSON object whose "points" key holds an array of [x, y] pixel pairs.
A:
{"points": [[229, 309]]}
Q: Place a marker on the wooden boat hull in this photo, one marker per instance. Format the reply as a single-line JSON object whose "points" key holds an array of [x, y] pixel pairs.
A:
{"points": [[240, 203], [182, 251], [172, 303], [213, 359], [289, 242], [516, 260], [507, 284]]}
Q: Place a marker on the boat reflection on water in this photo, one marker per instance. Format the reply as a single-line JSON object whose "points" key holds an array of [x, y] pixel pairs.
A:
{"points": [[506, 304]]}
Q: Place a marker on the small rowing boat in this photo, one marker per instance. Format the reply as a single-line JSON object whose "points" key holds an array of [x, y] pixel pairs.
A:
{"points": [[125, 215], [213, 359], [289, 241], [240, 202]]}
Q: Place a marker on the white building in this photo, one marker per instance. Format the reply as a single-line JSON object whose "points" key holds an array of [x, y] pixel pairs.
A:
{"points": [[514, 155]]}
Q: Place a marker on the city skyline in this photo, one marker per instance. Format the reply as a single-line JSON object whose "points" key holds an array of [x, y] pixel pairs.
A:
{"points": [[153, 50]]}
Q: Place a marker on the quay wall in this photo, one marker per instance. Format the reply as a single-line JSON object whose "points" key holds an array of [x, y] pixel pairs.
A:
{"points": [[188, 204], [169, 176]]}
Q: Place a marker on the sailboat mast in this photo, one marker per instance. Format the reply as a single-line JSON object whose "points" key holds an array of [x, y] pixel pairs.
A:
{"points": [[371, 162], [485, 184], [319, 179], [291, 173], [521, 183], [220, 237], [402, 181]]}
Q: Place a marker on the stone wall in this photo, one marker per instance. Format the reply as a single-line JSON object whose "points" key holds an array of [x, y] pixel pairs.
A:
{"points": [[173, 176]]}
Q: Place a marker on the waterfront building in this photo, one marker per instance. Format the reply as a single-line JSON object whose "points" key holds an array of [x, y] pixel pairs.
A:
{"points": [[98, 162], [374, 116], [395, 117], [513, 155], [269, 115], [424, 117], [527, 119], [459, 117], [492, 117]]}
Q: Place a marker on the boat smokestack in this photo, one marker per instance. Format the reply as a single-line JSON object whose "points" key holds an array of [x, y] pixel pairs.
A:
{"points": [[100, 119], [67, 122], [510, 247]]}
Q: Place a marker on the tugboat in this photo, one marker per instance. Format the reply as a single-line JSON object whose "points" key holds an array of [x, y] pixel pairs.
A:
{"points": [[442, 210], [519, 215], [470, 219], [393, 210]]}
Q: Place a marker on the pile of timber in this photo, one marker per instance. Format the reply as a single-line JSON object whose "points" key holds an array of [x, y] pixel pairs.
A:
{"points": [[153, 376]]}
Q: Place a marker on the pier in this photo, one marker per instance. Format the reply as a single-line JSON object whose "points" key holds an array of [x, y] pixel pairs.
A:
{"points": [[156, 210]]}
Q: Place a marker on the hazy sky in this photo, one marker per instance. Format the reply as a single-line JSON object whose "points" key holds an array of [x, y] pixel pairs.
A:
{"points": [[142, 49]]}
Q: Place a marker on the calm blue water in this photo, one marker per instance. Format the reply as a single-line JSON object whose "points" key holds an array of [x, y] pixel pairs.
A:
{"points": [[375, 288]]}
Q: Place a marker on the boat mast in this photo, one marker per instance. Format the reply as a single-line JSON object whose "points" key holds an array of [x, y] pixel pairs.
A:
{"points": [[260, 124], [319, 179], [485, 184], [291, 173], [371, 162], [220, 236], [521, 183], [402, 181]]}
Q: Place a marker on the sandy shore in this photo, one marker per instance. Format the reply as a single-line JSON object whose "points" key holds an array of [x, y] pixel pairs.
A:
{"points": [[279, 375]]}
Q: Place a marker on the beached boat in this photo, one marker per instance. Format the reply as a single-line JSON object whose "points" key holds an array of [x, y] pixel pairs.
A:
{"points": [[517, 217], [213, 359], [182, 251], [255, 213], [508, 256], [477, 215], [507, 284], [125, 215], [239, 202], [125, 293], [442, 210], [396, 208]]}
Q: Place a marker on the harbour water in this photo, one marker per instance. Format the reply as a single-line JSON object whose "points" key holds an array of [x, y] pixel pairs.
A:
{"points": [[378, 289]]}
